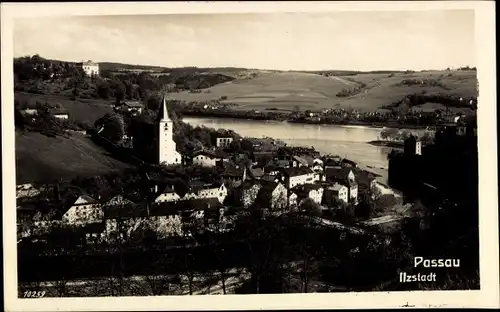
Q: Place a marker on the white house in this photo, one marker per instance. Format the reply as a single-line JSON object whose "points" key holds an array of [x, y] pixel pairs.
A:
{"points": [[83, 211], [167, 195], [297, 176], [337, 191], [90, 68], [218, 191], [223, 141], [273, 196], [312, 191], [346, 177], [205, 158]]}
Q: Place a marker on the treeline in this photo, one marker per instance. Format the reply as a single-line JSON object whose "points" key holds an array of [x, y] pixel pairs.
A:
{"points": [[444, 99], [31, 72], [422, 82], [352, 91]]}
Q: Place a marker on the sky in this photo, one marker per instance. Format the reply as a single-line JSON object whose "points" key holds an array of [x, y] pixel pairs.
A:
{"points": [[368, 40]]}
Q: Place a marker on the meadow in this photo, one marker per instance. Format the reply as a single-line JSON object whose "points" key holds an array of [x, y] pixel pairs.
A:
{"points": [[79, 110], [286, 91], [46, 159]]}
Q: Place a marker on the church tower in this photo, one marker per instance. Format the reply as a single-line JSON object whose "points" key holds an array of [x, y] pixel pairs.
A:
{"points": [[166, 147]]}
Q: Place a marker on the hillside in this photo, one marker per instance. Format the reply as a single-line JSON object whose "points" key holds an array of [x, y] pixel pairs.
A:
{"points": [[365, 91], [81, 110], [44, 159]]}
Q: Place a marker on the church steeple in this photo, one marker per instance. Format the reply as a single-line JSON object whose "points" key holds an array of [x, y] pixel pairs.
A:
{"points": [[163, 112]]}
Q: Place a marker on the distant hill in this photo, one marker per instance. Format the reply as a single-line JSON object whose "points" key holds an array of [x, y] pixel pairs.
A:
{"points": [[286, 91]]}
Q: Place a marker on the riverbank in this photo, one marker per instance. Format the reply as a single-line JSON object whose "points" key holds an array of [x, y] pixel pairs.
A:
{"points": [[275, 116], [391, 144]]}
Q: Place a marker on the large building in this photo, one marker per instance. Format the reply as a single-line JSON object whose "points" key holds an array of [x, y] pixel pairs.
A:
{"points": [[90, 68], [166, 147]]}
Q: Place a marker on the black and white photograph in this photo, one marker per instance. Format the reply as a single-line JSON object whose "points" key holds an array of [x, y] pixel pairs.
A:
{"points": [[167, 151]]}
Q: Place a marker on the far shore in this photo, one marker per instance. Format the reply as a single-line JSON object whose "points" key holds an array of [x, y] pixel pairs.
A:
{"points": [[236, 115]]}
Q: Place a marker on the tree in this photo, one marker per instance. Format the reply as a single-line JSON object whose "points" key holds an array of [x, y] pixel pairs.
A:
{"points": [[119, 91], [112, 126]]}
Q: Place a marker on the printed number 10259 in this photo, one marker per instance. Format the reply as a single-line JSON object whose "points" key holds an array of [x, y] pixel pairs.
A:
{"points": [[33, 294]]}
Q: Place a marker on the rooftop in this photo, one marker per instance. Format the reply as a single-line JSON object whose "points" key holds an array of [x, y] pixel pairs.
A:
{"points": [[297, 171], [132, 104], [169, 208]]}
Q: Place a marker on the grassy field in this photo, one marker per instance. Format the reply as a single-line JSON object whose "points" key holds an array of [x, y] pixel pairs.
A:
{"points": [[285, 90], [45, 159], [82, 110]]}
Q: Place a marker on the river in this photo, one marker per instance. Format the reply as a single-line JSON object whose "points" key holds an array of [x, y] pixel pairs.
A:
{"points": [[346, 141]]}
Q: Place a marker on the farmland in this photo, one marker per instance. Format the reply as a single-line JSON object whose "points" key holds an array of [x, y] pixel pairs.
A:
{"points": [[44, 159], [285, 90]]}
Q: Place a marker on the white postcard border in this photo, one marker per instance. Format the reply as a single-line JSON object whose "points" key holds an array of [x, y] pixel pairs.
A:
{"points": [[488, 296]]}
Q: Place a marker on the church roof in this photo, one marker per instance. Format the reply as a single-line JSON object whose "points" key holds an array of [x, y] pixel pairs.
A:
{"points": [[163, 112]]}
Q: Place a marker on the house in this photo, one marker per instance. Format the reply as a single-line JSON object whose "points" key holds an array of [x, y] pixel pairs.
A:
{"points": [[59, 113], [312, 191], [331, 161], [412, 146], [90, 68], [317, 165], [205, 158], [297, 176], [348, 163], [344, 176], [335, 191], [95, 233], [272, 196], [26, 191], [133, 107], [200, 190], [235, 174], [83, 211], [223, 141], [124, 223], [167, 195], [292, 199], [190, 212], [247, 193], [299, 162], [117, 201]]}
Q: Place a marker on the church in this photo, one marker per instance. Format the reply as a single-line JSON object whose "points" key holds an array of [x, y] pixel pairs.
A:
{"points": [[154, 142], [166, 147]]}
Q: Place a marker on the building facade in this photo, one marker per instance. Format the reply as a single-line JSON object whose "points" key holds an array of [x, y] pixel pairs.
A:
{"points": [[223, 141], [90, 68], [166, 146]]}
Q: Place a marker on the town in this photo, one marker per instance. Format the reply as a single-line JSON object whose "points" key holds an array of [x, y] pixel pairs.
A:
{"points": [[225, 213]]}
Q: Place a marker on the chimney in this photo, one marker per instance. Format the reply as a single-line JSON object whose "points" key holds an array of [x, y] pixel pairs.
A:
{"points": [[173, 187]]}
